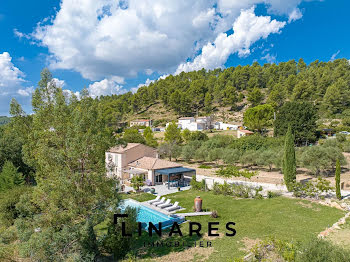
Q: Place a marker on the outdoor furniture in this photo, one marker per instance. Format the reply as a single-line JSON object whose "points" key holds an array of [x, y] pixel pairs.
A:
{"points": [[154, 200], [166, 204], [173, 207], [159, 202]]}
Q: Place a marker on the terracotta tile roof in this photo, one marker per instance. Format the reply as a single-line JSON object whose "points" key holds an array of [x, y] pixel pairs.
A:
{"points": [[140, 120], [121, 149], [152, 163], [246, 131]]}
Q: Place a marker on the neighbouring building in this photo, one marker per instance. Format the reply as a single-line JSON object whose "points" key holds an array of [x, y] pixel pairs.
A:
{"points": [[225, 126], [194, 124], [242, 133], [141, 122], [138, 159]]}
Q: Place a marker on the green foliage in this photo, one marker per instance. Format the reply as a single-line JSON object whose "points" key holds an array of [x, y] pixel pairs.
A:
{"points": [[289, 160], [170, 150], [259, 117], [132, 135], [149, 137], [317, 250], [8, 204], [197, 185], [321, 158], [255, 97], [301, 116], [234, 171], [240, 191], [311, 189], [4, 120], [172, 134], [337, 179], [10, 177], [137, 182]]}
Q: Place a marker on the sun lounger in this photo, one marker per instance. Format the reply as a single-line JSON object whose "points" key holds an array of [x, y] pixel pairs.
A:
{"points": [[173, 207], [166, 204], [162, 201], [154, 200]]}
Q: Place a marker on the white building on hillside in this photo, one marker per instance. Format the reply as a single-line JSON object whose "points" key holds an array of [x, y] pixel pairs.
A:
{"points": [[194, 124], [225, 126]]}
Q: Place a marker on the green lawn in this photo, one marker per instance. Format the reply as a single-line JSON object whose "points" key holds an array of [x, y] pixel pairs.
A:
{"points": [[141, 197], [281, 217]]}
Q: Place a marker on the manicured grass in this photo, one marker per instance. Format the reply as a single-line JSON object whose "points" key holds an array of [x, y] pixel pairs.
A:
{"points": [[141, 197], [284, 218]]}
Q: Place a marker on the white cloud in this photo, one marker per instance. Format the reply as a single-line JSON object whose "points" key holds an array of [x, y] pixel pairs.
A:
{"points": [[10, 76], [26, 91], [58, 82], [334, 55], [296, 14], [248, 28], [102, 39], [269, 58], [105, 87]]}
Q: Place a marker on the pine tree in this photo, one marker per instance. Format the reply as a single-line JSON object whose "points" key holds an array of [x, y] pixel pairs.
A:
{"points": [[289, 162], [9, 176], [337, 180]]}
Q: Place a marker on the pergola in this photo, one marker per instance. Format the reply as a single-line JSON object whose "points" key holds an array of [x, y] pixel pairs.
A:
{"points": [[174, 171]]}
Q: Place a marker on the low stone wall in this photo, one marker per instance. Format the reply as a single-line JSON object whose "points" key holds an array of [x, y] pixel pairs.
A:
{"points": [[266, 187]]}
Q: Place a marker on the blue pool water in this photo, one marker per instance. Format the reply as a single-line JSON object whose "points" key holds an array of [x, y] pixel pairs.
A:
{"points": [[146, 215]]}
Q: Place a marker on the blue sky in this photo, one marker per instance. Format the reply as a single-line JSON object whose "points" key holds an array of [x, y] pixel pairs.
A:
{"points": [[114, 46]]}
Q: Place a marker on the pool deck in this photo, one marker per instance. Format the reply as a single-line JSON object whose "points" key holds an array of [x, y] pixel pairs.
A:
{"points": [[191, 214], [161, 210]]}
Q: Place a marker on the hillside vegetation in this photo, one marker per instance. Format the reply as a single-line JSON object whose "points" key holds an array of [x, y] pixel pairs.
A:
{"points": [[226, 92]]}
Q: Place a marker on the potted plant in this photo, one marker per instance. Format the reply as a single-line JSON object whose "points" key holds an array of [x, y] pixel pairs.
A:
{"points": [[178, 188], [153, 190]]}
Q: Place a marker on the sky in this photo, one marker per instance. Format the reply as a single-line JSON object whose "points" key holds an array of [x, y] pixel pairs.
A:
{"points": [[116, 46]]}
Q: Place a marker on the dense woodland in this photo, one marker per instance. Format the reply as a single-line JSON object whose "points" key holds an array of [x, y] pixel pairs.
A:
{"points": [[325, 84], [53, 180]]}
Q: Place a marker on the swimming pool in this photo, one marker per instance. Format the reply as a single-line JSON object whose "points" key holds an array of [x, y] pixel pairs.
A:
{"points": [[146, 215]]}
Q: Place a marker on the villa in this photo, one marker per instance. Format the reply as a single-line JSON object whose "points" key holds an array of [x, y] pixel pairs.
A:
{"points": [[194, 124], [137, 159], [141, 122]]}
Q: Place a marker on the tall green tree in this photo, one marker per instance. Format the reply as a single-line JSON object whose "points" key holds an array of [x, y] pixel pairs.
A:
{"points": [[149, 137], [301, 116], [10, 177], [132, 135], [337, 180], [259, 117], [289, 161], [255, 97], [172, 134]]}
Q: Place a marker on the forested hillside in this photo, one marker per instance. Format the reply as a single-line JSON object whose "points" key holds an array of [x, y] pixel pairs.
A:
{"points": [[4, 120], [325, 84]]}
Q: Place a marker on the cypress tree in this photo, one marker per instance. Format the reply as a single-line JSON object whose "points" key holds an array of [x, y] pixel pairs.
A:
{"points": [[337, 180], [289, 162]]}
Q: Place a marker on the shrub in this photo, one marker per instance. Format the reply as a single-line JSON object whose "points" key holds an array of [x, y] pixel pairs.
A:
{"points": [[311, 189], [233, 171], [271, 194], [197, 185], [322, 250]]}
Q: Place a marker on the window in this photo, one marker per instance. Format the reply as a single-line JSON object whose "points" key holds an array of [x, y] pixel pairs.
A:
{"points": [[159, 178]]}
